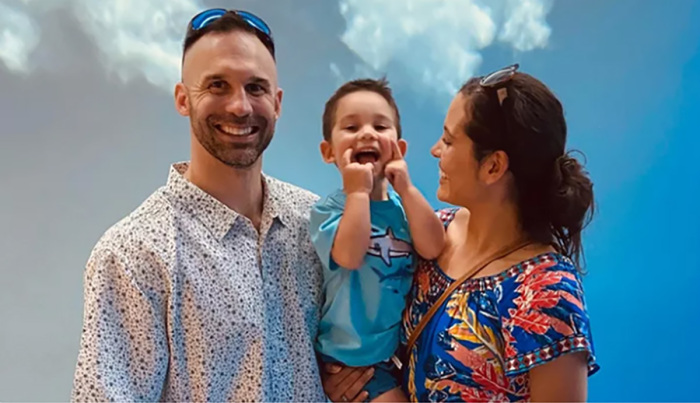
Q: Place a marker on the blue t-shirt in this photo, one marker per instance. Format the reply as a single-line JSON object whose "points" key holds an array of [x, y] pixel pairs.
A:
{"points": [[361, 312]]}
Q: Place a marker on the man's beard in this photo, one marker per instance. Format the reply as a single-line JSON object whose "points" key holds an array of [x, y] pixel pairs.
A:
{"points": [[240, 156]]}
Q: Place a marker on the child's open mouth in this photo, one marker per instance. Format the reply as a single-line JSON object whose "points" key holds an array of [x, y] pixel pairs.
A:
{"points": [[366, 156]]}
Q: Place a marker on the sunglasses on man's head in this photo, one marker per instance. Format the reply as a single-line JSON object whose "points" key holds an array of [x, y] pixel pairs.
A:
{"points": [[206, 17]]}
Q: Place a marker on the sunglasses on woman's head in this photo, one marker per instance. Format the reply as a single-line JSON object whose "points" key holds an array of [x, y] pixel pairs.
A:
{"points": [[206, 17], [498, 80]]}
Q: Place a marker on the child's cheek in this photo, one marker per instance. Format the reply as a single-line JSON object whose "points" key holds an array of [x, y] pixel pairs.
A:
{"points": [[385, 144]]}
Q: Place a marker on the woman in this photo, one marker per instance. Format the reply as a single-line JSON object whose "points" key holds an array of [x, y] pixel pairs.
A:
{"points": [[514, 326]]}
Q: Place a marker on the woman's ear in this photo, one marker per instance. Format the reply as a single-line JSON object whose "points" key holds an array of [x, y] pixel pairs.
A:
{"points": [[493, 167]]}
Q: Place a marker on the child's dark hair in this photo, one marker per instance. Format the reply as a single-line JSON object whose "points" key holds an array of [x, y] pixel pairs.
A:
{"points": [[553, 191], [380, 86]]}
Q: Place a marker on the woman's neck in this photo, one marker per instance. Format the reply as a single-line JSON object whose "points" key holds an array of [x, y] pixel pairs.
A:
{"points": [[492, 229]]}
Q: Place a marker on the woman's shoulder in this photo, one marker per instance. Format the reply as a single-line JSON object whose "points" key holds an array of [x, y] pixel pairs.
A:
{"points": [[544, 271], [546, 264], [549, 262], [449, 214]]}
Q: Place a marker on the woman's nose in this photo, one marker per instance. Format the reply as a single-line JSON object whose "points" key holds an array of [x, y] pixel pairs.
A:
{"points": [[436, 150]]}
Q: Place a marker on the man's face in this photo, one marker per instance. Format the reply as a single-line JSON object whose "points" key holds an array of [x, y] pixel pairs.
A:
{"points": [[229, 91]]}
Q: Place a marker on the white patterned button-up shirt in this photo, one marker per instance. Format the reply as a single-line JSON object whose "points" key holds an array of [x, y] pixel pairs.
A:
{"points": [[186, 301]]}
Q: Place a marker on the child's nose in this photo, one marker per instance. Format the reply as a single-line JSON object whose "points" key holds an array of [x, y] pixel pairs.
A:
{"points": [[368, 133]]}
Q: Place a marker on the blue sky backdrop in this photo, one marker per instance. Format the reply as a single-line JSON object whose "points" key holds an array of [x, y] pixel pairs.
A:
{"points": [[89, 130]]}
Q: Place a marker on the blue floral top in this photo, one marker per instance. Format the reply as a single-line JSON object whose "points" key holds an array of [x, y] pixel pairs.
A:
{"points": [[491, 331]]}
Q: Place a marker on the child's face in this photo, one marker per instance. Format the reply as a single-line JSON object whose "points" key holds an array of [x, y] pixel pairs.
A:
{"points": [[365, 123]]}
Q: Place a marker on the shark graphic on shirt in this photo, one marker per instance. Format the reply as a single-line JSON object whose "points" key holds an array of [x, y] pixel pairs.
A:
{"points": [[387, 247], [402, 272]]}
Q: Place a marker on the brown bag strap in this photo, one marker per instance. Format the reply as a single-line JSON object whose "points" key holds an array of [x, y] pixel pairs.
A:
{"points": [[470, 274]]}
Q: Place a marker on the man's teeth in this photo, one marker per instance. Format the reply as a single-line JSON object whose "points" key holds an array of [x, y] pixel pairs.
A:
{"points": [[236, 131]]}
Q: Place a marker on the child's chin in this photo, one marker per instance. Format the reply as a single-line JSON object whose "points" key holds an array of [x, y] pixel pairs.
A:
{"points": [[378, 169]]}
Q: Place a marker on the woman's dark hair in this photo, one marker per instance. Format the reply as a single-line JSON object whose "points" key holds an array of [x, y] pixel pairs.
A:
{"points": [[554, 193]]}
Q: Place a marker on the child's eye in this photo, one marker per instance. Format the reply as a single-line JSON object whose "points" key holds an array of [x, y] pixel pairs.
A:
{"points": [[351, 128], [380, 127]]}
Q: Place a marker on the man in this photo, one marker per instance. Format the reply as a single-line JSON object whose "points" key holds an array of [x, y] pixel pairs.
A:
{"points": [[209, 291]]}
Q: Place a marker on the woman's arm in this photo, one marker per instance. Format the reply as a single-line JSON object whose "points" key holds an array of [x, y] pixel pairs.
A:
{"points": [[564, 379]]}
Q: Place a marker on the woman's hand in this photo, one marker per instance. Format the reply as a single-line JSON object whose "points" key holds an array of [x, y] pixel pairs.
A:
{"points": [[344, 384]]}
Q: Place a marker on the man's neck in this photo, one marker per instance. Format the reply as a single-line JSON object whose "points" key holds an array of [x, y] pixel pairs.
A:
{"points": [[239, 189]]}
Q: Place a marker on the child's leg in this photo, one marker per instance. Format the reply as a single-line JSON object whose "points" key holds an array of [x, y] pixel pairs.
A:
{"points": [[394, 395], [385, 385]]}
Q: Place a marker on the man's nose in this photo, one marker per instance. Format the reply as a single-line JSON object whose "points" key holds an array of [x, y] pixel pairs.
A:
{"points": [[239, 104]]}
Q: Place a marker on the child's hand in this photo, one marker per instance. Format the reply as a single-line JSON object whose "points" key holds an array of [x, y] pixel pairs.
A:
{"points": [[357, 178], [396, 171]]}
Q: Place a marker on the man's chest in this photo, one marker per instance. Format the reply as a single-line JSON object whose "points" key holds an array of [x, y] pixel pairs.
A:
{"points": [[246, 280]]}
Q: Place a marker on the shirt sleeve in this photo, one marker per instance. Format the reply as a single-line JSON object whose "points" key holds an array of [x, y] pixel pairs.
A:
{"points": [[546, 318], [324, 219], [123, 348]]}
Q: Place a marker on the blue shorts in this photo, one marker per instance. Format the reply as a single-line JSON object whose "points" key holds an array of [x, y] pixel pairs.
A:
{"points": [[387, 376]]}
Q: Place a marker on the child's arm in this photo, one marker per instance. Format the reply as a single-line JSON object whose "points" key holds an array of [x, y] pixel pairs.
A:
{"points": [[354, 229], [354, 232], [427, 231]]}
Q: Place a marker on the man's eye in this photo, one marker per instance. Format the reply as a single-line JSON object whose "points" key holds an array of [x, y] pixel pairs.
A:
{"points": [[217, 85], [255, 89]]}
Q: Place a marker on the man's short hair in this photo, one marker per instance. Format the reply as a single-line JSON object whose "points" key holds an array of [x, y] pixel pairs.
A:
{"points": [[380, 86], [228, 22]]}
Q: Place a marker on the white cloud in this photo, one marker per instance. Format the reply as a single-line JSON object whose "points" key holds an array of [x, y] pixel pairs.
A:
{"points": [[434, 43], [438, 42], [341, 76], [134, 37], [526, 26], [139, 36], [19, 36]]}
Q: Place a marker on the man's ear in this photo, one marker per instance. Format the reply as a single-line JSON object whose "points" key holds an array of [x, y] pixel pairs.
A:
{"points": [[182, 104], [327, 152], [494, 166], [278, 103]]}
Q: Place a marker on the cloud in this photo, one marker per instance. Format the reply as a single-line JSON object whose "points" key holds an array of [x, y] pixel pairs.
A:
{"points": [[134, 37], [434, 44], [138, 36], [526, 26], [341, 76], [439, 43], [19, 36]]}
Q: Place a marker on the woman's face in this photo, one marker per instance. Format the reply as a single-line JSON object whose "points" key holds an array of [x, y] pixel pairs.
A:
{"points": [[459, 169]]}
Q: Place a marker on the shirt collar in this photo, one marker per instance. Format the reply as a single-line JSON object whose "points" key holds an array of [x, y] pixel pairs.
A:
{"points": [[216, 216]]}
